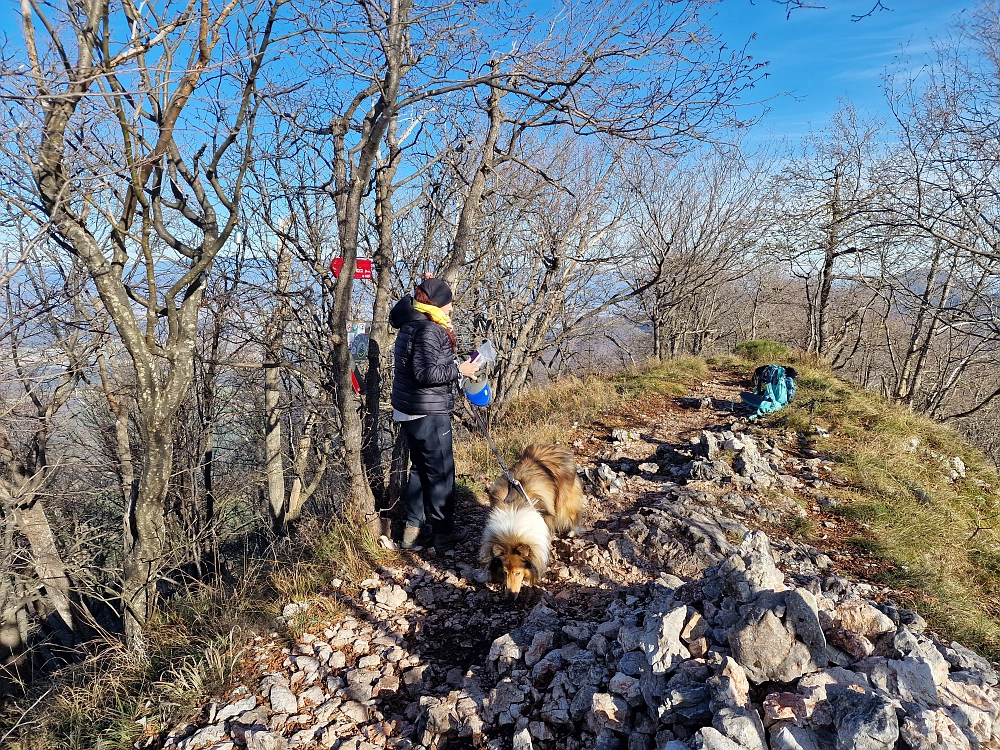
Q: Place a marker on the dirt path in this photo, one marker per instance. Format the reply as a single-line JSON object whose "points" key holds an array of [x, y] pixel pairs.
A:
{"points": [[425, 626]]}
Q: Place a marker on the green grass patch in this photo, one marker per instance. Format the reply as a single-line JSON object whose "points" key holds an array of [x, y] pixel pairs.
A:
{"points": [[865, 546], [761, 350], [799, 527], [863, 510], [941, 537]]}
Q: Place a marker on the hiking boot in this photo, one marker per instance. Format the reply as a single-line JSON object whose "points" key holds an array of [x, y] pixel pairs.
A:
{"points": [[444, 542], [415, 536]]}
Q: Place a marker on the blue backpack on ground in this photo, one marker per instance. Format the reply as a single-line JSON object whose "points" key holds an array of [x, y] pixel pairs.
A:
{"points": [[774, 386]]}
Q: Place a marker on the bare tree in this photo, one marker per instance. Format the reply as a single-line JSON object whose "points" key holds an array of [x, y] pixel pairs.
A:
{"points": [[577, 70], [106, 90], [692, 227], [46, 354], [581, 78], [829, 194], [939, 201], [293, 225], [540, 257]]}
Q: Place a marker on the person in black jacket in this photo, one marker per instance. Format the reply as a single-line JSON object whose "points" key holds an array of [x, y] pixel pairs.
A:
{"points": [[423, 398]]}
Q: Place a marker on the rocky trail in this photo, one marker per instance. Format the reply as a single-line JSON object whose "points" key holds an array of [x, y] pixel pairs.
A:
{"points": [[684, 617]]}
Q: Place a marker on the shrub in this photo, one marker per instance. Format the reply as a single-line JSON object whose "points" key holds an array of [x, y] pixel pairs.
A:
{"points": [[761, 350]]}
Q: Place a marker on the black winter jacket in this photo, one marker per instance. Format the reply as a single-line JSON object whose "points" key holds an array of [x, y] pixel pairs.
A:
{"points": [[425, 369]]}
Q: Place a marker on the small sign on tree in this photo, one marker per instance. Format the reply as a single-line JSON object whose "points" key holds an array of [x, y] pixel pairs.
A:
{"points": [[362, 269]]}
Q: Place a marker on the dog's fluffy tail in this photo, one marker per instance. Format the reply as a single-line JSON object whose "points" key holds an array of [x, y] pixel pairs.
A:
{"points": [[560, 462], [513, 527], [558, 459]]}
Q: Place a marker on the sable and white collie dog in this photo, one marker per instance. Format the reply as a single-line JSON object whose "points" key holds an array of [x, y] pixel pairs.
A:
{"points": [[518, 532]]}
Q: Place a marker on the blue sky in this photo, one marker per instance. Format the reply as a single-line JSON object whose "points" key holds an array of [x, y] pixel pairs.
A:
{"points": [[816, 57], [819, 55]]}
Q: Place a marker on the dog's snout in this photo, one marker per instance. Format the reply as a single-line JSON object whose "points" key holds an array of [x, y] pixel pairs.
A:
{"points": [[510, 595]]}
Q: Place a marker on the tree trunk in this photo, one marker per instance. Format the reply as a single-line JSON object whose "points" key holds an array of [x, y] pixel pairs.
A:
{"points": [[145, 533], [274, 462], [922, 335], [31, 521], [14, 632], [472, 207], [20, 495], [351, 180], [399, 471], [273, 347], [300, 490], [826, 274], [359, 504], [379, 338]]}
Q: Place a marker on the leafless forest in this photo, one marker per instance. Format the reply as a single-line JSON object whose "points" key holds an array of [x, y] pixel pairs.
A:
{"points": [[177, 177]]}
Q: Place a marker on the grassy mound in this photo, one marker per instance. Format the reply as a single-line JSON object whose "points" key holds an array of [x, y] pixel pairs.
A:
{"points": [[762, 350], [940, 536]]}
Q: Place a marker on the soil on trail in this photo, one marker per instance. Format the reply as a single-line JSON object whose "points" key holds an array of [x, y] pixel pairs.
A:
{"points": [[460, 629], [438, 617]]}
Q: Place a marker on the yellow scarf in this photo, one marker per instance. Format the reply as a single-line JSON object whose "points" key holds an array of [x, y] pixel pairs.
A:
{"points": [[435, 313]]}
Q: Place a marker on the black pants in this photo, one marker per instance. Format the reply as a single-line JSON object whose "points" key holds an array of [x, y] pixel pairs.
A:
{"points": [[430, 493]]}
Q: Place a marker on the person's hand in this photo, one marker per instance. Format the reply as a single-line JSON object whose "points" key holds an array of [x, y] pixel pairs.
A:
{"points": [[469, 368]]}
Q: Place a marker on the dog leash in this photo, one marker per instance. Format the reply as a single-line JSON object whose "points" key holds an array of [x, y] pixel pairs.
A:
{"points": [[489, 439]]}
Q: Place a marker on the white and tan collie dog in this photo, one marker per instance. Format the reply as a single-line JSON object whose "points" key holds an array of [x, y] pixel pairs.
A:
{"points": [[518, 532]]}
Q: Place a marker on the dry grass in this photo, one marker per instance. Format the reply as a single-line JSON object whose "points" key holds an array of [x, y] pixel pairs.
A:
{"points": [[539, 416], [942, 538], [548, 415], [195, 647], [322, 553], [672, 378]]}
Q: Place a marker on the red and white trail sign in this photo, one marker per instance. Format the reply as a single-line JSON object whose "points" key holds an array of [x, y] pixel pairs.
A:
{"points": [[362, 270]]}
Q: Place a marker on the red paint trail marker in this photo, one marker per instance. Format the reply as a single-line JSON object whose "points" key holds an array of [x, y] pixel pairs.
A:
{"points": [[362, 270]]}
